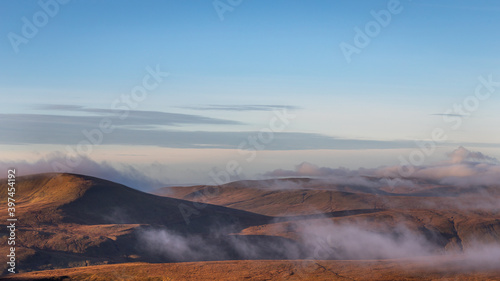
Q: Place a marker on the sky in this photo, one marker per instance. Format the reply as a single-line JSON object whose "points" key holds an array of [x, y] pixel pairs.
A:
{"points": [[181, 90]]}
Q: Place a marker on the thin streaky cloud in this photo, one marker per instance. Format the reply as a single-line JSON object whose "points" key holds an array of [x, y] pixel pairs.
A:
{"points": [[449, 115], [62, 107], [67, 130], [250, 107], [134, 117]]}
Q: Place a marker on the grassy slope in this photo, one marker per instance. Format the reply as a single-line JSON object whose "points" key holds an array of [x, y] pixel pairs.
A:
{"points": [[431, 269]]}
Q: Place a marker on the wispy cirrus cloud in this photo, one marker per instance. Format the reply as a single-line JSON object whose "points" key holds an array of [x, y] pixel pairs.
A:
{"points": [[449, 115], [68, 130], [64, 125], [60, 124], [250, 107], [129, 117]]}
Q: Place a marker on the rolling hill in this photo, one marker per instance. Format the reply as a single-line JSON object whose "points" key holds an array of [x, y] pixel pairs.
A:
{"points": [[69, 220], [87, 227]]}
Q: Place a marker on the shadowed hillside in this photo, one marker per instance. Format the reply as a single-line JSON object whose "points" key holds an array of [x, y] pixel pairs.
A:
{"points": [[74, 220], [70, 198]]}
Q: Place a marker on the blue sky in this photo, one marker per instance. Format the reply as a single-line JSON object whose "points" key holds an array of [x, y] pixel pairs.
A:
{"points": [[267, 53]]}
